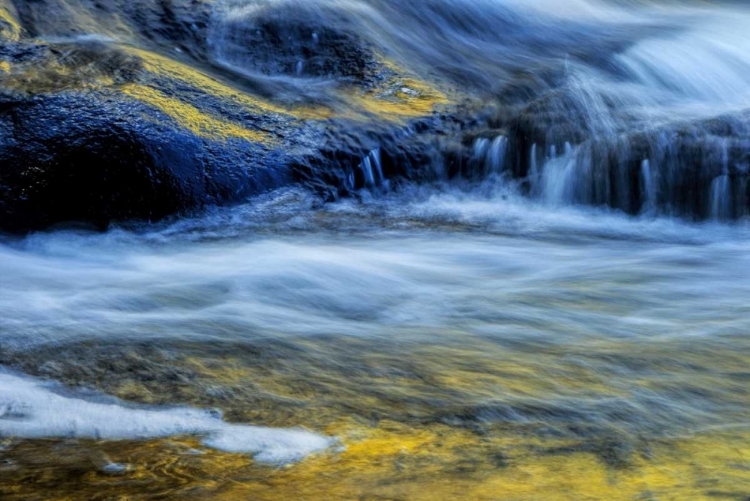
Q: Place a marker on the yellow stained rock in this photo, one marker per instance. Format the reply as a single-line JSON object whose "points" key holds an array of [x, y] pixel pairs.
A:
{"points": [[192, 118], [159, 65]]}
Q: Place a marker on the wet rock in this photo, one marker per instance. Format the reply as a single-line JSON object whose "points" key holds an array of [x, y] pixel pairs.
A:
{"points": [[41, 67], [293, 41], [114, 469], [94, 132], [75, 156], [614, 451], [168, 24], [119, 111], [694, 169]]}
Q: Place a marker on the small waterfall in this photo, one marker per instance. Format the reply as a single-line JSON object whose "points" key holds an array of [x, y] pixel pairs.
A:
{"points": [[496, 155], [534, 172], [489, 156], [721, 198], [648, 188], [560, 177], [372, 169], [481, 147]]}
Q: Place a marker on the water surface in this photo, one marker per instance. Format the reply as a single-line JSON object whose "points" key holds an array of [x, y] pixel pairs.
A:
{"points": [[437, 335]]}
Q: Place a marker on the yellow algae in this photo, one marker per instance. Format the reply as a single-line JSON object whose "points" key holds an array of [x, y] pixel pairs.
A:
{"points": [[334, 388], [400, 98], [388, 459], [405, 98], [192, 118], [164, 66], [443, 464], [392, 461], [51, 78], [179, 85]]}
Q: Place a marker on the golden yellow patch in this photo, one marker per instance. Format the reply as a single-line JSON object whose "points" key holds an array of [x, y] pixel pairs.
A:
{"points": [[406, 98], [192, 118], [390, 461], [186, 74]]}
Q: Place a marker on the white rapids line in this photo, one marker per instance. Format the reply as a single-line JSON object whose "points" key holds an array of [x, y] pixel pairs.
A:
{"points": [[30, 409]]}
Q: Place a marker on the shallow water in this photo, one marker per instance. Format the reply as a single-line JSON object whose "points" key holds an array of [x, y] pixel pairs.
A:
{"points": [[512, 336], [499, 334]]}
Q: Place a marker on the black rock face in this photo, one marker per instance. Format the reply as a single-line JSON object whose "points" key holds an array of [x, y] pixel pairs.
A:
{"points": [[77, 157], [277, 47]]}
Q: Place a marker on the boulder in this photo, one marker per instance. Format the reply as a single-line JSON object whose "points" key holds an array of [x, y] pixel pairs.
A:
{"points": [[99, 158]]}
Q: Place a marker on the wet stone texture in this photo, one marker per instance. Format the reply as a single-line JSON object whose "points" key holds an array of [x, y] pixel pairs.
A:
{"points": [[269, 95], [116, 112]]}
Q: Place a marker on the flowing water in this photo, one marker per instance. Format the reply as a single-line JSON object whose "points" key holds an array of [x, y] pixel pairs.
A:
{"points": [[575, 329]]}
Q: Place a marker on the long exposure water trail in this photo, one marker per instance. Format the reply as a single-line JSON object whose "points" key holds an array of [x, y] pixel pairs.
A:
{"points": [[587, 302], [564, 317]]}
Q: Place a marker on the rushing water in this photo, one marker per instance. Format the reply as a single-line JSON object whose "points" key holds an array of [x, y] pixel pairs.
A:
{"points": [[471, 308], [501, 305], [450, 261], [639, 106]]}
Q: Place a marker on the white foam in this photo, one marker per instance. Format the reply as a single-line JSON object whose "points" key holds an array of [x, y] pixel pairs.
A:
{"points": [[30, 409]]}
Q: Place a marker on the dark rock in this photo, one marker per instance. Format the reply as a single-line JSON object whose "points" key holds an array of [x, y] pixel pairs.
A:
{"points": [[167, 24], [97, 158], [278, 43]]}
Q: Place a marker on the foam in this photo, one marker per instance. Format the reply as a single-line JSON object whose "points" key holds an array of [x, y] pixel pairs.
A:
{"points": [[31, 409]]}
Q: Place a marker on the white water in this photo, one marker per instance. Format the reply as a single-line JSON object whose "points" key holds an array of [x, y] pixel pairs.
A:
{"points": [[522, 269], [30, 409], [420, 266]]}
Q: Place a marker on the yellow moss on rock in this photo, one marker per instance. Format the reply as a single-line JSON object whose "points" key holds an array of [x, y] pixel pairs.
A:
{"points": [[163, 66], [399, 98], [404, 98], [191, 118], [176, 89]]}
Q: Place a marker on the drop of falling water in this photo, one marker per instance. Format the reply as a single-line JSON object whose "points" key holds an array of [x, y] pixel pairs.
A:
{"points": [[372, 169], [721, 197], [648, 187]]}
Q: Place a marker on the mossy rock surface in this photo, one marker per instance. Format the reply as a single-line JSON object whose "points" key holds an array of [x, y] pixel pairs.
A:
{"points": [[118, 111]]}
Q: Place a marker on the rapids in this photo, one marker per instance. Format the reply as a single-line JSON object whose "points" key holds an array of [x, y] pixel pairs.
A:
{"points": [[566, 275], [639, 106]]}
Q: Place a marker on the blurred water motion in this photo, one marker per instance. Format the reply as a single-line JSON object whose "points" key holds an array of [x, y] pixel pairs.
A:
{"points": [[518, 334], [488, 337]]}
